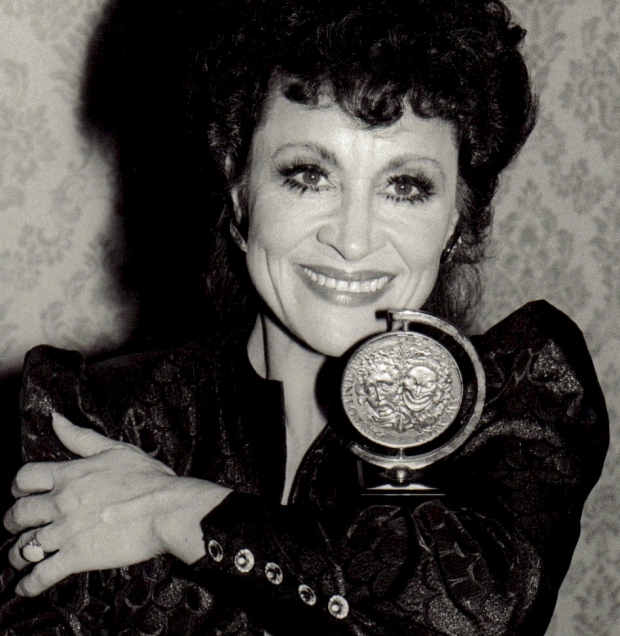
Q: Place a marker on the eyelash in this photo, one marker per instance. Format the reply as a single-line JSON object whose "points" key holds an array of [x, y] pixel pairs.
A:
{"points": [[424, 186], [290, 170]]}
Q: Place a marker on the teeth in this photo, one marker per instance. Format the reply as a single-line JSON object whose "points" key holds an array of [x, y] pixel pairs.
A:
{"points": [[351, 287]]}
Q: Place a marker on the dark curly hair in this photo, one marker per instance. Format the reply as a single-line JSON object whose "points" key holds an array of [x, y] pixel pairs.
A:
{"points": [[198, 73], [453, 59]]}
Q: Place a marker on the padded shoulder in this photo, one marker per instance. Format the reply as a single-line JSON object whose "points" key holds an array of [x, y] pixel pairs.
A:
{"points": [[541, 332], [147, 399]]}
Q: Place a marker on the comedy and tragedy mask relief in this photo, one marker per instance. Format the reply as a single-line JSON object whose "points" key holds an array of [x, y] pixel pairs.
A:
{"points": [[406, 393]]}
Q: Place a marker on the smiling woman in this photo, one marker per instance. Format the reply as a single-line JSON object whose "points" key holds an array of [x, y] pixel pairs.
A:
{"points": [[356, 146]]}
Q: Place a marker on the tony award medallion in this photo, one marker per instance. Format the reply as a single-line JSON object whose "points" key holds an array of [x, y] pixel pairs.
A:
{"points": [[413, 396]]}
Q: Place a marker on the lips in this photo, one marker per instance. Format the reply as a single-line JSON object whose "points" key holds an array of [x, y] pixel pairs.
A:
{"points": [[361, 287], [358, 283]]}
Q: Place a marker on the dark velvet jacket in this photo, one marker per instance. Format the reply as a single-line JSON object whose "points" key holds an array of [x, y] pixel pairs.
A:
{"points": [[486, 559]]}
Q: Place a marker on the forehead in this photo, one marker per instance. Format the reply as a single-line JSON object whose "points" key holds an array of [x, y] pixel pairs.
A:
{"points": [[288, 124]]}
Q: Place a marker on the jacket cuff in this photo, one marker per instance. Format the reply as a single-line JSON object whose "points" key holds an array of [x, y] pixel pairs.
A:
{"points": [[282, 576]]}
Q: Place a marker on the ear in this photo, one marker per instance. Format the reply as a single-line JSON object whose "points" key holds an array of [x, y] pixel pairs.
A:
{"points": [[237, 209], [236, 194], [454, 219], [234, 191], [452, 239]]}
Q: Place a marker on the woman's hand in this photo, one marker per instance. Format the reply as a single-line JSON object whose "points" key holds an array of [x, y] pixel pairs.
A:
{"points": [[115, 507]]}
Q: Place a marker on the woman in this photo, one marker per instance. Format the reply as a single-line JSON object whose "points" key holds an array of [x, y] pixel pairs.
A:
{"points": [[360, 144]]}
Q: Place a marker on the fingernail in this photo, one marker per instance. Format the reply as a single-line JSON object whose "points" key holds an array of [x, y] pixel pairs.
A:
{"points": [[57, 417]]}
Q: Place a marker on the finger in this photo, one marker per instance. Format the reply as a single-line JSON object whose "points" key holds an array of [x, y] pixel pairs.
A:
{"points": [[43, 576], [79, 440], [45, 536], [31, 478], [29, 512]]}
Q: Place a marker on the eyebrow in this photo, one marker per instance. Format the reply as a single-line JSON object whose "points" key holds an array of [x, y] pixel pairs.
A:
{"points": [[401, 162], [323, 153]]}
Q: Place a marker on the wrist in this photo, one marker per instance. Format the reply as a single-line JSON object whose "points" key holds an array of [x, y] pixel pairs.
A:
{"points": [[178, 526]]}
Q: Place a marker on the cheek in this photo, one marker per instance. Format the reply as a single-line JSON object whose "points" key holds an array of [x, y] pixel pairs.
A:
{"points": [[420, 254], [420, 245], [272, 241], [261, 248], [420, 257], [275, 228]]}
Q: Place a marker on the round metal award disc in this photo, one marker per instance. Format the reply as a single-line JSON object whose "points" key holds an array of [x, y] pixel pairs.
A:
{"points": [[402, 389], [415, 395]]}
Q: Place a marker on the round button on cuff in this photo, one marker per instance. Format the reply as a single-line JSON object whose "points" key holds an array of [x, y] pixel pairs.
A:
{"points": [[273, 572], [338, 606], [306, 594], [216, 552], [244, 560]]}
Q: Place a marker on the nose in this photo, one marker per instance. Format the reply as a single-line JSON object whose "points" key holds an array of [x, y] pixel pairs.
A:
{"points": [[350, 228]]}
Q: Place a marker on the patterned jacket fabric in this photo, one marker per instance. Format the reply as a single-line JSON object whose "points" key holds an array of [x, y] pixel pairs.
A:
{"points": [[486, 559]]}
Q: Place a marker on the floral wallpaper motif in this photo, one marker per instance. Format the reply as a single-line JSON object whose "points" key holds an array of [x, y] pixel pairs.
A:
{"points": [[557, 230], [57, 247]]}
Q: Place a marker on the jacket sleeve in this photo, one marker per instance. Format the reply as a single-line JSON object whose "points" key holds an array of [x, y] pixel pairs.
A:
{"points": [[487, 559]]}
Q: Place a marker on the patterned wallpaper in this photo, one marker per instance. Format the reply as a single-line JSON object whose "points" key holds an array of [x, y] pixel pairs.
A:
{"points": [[557, 233], [56, 244]]}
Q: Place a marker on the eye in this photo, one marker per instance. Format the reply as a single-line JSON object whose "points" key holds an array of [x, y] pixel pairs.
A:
{"points": [[408, 188], [311, 177], [404, 189], [305, 177]]}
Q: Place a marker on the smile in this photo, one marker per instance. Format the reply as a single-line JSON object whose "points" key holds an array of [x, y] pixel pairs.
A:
{"points": [[351, 289], [347, 286]]}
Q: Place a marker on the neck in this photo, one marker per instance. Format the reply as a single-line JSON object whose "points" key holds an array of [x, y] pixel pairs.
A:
{"points": [[277, 355]]}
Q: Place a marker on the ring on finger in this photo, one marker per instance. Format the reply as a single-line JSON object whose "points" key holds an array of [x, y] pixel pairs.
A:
{"points": [[33, 551]]}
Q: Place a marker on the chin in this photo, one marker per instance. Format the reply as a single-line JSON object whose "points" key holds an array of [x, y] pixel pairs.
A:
{"points": [[336, 340]]}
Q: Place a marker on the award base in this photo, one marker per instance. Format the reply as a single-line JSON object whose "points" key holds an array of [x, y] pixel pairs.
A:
{"points": [[399, 481]]}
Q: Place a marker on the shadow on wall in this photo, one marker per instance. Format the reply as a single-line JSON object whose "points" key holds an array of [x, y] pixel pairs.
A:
{"points": [[140, 101]]}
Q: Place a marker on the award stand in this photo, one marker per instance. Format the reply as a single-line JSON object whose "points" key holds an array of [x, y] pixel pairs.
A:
{"points": [[413, 396]]}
